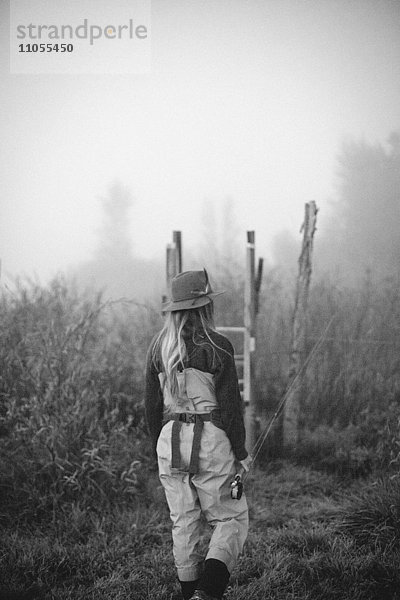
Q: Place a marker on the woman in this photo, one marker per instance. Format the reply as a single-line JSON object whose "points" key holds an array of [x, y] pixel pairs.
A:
{"points": [[194, 415]]}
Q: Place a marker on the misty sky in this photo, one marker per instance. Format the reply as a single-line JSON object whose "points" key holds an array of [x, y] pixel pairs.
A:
{"points": [[246, 99]]}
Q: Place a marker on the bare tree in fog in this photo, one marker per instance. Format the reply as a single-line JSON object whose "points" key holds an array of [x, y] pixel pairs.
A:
{"points": [[115, 243], [114, 268], [366, 225]]}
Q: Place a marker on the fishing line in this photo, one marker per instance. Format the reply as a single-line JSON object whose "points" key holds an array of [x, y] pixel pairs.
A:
{"points": [[237, 483]]}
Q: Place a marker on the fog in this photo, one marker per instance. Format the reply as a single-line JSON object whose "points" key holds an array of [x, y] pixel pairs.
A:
{"points": [[247, 113], [363, 234]]}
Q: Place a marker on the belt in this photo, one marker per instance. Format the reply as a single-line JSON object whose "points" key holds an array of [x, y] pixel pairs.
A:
{"points": [[198, 420]]}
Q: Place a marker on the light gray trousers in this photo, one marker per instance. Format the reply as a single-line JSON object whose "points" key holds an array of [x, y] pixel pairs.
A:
{"points": [[207, 493]]}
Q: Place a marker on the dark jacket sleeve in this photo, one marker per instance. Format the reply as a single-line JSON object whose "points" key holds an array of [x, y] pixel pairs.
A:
{"points": [[230, 402], [153, 400]]}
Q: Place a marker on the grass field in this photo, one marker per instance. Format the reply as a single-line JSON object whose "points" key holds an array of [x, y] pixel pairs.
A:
{"points": [[313, 536]]}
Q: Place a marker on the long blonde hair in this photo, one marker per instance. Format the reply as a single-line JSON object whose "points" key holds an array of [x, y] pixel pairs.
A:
{"points": [[170, 346]]}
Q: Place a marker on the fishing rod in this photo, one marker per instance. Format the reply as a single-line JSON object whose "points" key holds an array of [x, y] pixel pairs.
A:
{"points": [[237, 483]]}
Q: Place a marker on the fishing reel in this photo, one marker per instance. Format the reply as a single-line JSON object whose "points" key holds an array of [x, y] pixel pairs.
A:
{"points": [[237, 487]]}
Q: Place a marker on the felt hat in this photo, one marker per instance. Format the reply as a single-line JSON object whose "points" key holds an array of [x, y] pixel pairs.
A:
{"points": [[190, 289]]}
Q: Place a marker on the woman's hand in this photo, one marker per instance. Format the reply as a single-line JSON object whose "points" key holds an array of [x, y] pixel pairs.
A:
{"points": [[246, 462]]}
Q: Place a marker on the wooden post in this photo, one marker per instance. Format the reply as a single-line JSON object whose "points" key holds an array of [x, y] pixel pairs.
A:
{"points": [[171, 265], [292, 406], [249, 342], [258, 286], [177, 239], [174, 258]]}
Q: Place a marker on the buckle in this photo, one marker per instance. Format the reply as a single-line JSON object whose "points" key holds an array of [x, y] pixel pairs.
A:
{"points": [[187, 418]]}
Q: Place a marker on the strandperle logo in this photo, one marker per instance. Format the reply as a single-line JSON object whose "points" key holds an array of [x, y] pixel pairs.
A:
{"points": [[85, 31]]}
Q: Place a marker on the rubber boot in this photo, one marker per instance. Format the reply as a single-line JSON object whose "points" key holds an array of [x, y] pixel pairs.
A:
{"points": [[188, 588], [214, 579]]}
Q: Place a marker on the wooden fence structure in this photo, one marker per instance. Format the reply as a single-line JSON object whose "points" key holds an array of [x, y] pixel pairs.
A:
{"points": [[245, 362]]}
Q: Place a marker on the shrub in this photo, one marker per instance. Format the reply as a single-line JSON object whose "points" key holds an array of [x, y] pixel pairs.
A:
{"points": [[372, 517], [71, 416], [335, 450]]}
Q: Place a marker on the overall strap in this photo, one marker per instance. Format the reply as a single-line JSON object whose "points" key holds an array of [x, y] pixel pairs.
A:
{"points": [[194, 457], [198, 421], [175, 450]]}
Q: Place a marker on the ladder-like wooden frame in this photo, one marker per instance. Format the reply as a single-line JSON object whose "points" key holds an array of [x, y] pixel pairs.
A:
{"points": [[240, 361]]}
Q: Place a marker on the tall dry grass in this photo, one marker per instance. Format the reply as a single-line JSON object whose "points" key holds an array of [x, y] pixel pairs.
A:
{"points": [[71, 387], [352, 385]]}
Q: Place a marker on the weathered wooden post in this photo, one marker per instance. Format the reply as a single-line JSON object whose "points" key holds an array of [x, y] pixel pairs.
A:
{"points": [[292, 406], [257, 286], [177, 239], [174, 258], [249, 341]]}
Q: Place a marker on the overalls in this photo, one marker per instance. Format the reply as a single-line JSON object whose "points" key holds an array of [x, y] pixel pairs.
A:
{"points": [[206, 491]]}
